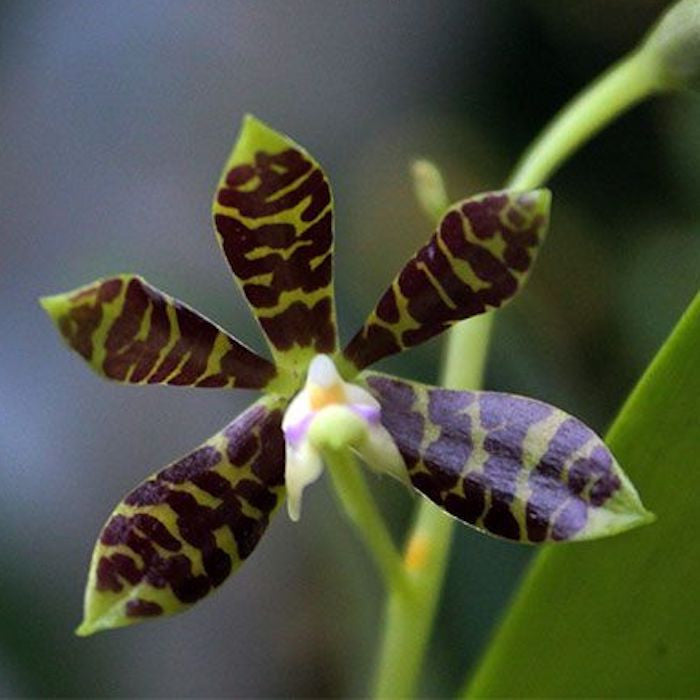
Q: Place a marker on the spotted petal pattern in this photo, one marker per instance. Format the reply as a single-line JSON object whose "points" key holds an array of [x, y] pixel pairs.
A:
{"points": [[477, 260], [273, 213], [508, 465], [181, 533], [131, 332]]}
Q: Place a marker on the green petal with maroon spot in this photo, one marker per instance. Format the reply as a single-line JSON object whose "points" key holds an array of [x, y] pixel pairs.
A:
{"points": [[478, 259], [131, 332], [273, 213], [183, 531], [509, 466]]}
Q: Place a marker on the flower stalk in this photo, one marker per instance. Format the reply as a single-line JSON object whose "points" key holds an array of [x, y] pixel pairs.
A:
{"points": [[408, 624], [356, 500], [626, 83], [409, 621]]}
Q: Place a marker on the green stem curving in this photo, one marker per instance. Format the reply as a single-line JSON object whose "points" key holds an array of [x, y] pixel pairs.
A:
{"points": [[627, 82], [409, 619]]}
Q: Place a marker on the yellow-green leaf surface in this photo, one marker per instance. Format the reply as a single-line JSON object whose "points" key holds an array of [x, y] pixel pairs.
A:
{"points": [[621, 617], [273, 214]]}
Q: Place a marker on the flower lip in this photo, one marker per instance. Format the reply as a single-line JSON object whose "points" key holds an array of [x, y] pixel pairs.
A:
{"points": [[371, 414], [331, 414], [296, 432], [324, 387]]}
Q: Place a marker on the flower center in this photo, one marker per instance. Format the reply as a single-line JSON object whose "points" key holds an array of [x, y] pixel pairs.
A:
{"points": [[320, 397], [332, 414]]}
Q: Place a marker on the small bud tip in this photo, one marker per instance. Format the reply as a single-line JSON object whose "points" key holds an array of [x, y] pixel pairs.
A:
{"points": [[674, 43], [416, 552], [429, 188]]}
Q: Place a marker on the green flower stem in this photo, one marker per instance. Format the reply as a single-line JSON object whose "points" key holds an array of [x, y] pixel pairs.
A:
{"points": [[637, 76], [409, 620], [466, 351], [351, 489]]}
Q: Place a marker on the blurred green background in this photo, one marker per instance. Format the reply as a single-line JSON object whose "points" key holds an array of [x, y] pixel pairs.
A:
{"points": [[115, 120]]}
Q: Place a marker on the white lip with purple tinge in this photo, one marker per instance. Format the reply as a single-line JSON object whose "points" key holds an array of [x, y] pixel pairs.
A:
{"points": [[326, 398], [296, 432]]}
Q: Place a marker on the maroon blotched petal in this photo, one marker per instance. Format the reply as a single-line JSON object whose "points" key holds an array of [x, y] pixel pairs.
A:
{"points": [[182, 532], [478, 259], [129, 331], [273, 214]]}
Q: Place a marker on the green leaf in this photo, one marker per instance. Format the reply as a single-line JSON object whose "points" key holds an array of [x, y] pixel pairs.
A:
{"points": [[621, 617]]}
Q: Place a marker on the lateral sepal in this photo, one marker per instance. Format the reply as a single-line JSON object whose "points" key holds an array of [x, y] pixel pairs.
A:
{"points": [[129, 331], [507, 465], [182, 532]]}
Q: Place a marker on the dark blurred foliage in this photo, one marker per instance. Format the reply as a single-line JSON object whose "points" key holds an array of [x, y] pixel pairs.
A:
{"points": [[114, 121]]}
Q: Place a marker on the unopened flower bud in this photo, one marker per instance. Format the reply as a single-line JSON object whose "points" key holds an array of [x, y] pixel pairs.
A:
{"points": [[674, 42], [429, 188]]}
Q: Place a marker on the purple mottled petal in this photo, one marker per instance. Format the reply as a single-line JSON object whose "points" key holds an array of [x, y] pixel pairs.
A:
{"points": [[510, 466]]}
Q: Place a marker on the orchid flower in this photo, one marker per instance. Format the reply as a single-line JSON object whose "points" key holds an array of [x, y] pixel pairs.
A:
{"points": [[509, 466]]}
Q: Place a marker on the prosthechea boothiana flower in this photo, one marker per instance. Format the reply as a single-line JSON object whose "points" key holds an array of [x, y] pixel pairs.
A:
{"points": [[507, 465]]}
